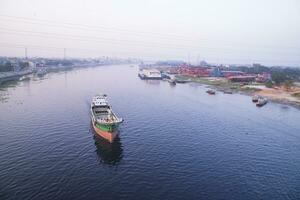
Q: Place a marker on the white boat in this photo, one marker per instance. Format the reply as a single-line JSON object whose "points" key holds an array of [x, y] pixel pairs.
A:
{"points": [[255, 98], [150, 74], [261, 102], [172, 81]]}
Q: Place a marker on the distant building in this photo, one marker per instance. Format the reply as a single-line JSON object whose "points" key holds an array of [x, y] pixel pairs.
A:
{"points": [[203, 63], [245, 78], [216, 72], [194, 71], [227, 74], [257, 65], [264, 77], [173, 70]]}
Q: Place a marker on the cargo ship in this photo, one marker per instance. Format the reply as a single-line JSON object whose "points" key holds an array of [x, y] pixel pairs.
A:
{"points": [[104, 121], [153, 74]]}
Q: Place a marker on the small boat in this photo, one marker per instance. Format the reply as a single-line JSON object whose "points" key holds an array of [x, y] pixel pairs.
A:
{"points": [[181, 81], [211, 92], [227, 92], [24, 78], [172, 81], [41, 72], [255, 98], [105, 122], [261, 102]]}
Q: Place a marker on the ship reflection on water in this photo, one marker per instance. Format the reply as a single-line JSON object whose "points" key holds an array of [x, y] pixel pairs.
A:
{"points": [[109, 153]]}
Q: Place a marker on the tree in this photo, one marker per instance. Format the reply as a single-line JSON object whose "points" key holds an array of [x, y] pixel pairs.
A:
{"points": [[278, 77], [6, 67], [288, 85], [269, 84]]}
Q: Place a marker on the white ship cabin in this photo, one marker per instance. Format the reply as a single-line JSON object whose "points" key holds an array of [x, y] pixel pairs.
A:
{"points": [[102, 110], [100, 105]]}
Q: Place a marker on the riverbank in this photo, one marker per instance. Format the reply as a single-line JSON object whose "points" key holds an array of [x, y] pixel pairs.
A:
{"points": [[15, 76], [10, 76], [276, 94]]}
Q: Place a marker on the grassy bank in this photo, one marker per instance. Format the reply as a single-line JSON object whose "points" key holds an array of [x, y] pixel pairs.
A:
{"points": [[219, 83]]}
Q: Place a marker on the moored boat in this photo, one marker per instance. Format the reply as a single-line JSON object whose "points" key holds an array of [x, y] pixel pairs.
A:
{"points": [[255, 98], [212, 92], [172, 81], [261, 102], [227, 92], [41, 72], [104, 121], [181, 81]]}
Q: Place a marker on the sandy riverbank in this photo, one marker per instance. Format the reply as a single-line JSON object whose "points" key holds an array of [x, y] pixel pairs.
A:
{"points": [[281, 95], [276, 94]]}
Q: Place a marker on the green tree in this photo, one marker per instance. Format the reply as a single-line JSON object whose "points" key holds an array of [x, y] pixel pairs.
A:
{"points": [[269, 84], [279, 77], [288, 84], [6, 67]]}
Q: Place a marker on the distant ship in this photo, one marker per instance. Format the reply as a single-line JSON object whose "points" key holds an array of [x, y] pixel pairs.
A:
{"points": [[150, 74], [105, 122]]}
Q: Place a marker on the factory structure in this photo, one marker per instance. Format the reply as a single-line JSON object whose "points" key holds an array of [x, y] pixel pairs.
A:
{"points": [[208, 71]]}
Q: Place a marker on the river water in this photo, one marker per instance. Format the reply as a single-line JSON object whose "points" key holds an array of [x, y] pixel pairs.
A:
{"points": [[177, 142]]}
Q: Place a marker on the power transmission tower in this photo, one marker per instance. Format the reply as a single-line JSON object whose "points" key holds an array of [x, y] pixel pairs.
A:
{"points": [[64, 53], [26, 52]]}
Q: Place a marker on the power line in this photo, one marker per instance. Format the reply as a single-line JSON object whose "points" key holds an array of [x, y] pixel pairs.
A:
{"points": [[70, 49], [112, 29], [87, 27], [114, 41], [89, 38]]}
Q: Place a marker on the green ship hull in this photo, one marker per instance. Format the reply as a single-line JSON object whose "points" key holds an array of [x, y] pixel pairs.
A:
{"points": [[107, 128]]}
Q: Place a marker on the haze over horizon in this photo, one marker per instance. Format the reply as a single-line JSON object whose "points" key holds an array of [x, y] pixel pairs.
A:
{"points": [[266, 32]]}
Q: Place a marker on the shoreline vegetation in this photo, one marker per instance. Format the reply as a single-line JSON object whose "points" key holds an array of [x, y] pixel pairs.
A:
{"points": [[278, 94]]}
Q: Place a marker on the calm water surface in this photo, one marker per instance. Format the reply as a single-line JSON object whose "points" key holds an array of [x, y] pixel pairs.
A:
{"points": [[177, 142]]}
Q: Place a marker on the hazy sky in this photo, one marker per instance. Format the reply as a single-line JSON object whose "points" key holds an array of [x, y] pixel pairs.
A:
{"points": [[231, 31]]}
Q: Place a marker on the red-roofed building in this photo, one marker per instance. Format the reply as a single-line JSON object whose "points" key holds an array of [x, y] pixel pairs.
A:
{"points": [[194, 71], [227, 74], [239, 78]]}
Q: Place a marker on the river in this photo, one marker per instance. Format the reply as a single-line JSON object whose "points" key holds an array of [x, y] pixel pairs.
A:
{"points": [[176, 142]]}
